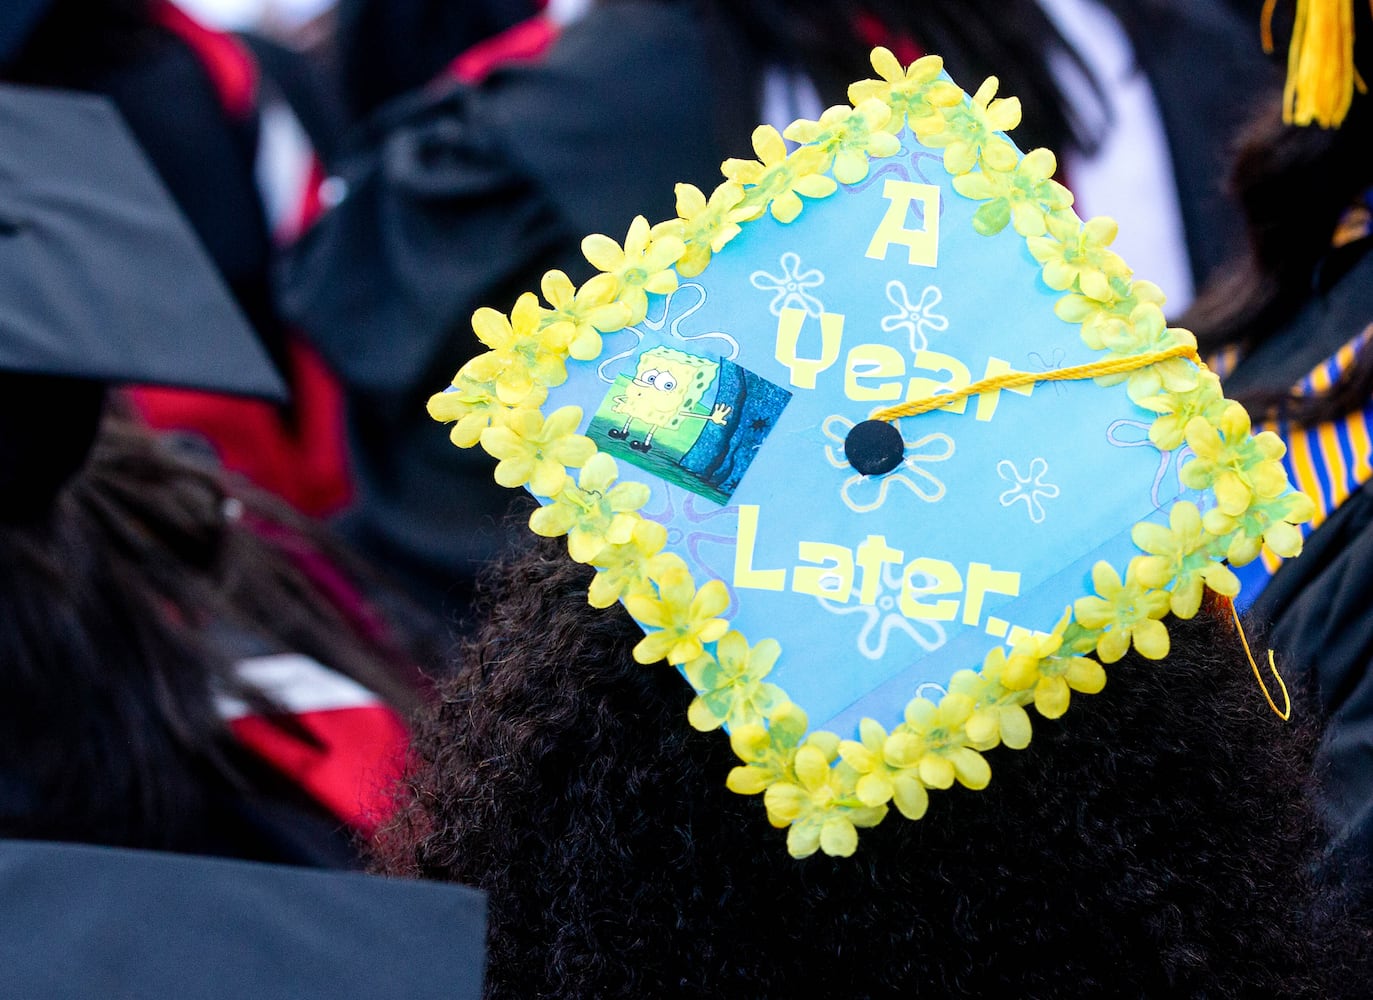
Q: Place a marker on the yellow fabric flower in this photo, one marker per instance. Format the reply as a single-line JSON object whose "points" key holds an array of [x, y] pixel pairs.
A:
{"points": [[775, 181], [475, 406], [630, 273], [1184, 558], [820, 805], [1020, 197], [1270, 522], [625, 568], [579, 317], [916, 93], [1177, 409], [849, 136], [1145, 331], [730, 686], [767, 751], [704, 227], [1076, 255], [521, 356], [537, 451], [934, 741], [1124, 612], [1041, 663], [686, 618], [969, 136], [1240, 468], [880, 778], [590, 512], [999, 714], [1098, 318]]}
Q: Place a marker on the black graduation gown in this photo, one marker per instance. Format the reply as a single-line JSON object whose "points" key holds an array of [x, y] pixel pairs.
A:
{"points": [[466, 200], [1319, 606]]}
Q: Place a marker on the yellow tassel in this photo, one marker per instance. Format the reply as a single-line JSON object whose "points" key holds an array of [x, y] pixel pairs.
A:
{"points": [[1320, 62]]}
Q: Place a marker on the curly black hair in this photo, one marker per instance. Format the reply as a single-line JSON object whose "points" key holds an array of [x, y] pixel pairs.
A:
{"points": [[1158, 841]]}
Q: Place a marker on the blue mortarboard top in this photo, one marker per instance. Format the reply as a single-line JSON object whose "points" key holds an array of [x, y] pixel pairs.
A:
{"points": [[881, 444], [83, 921]]}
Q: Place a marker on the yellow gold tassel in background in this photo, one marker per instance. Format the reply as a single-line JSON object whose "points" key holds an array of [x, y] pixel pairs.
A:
{"points": [[1320, 63]]}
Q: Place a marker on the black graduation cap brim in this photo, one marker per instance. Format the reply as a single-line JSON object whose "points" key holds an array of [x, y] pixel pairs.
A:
{"points": [[101, 277], [81, 921], [18, 18]]}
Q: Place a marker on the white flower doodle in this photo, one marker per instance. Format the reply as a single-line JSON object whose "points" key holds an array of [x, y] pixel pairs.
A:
{"points": [[705, 535], [1031, 488], [913, 475], [914, 319], [672, 320], [790, 287], [1135, 434], [884, 617], [1050, 364]]}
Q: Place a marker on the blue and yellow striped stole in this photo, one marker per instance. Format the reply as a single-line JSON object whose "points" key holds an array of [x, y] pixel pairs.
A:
{"points": [[1328, 461]]}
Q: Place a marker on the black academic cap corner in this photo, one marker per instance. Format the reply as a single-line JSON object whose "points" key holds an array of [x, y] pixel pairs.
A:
{"points": [[18, 18], [79, 921], [100, 276]]}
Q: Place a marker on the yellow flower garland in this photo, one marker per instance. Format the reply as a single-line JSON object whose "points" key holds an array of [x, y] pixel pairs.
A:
{"points": [[819, 786]]}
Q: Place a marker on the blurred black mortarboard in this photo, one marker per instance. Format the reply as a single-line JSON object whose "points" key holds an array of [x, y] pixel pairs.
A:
{"points": [[100, 276], [102, 281], [18, 18], [81, 921]]}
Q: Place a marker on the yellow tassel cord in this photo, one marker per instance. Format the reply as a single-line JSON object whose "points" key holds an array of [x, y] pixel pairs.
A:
{"points": [[1017, 380], [1286, 712], [1320, 62]]}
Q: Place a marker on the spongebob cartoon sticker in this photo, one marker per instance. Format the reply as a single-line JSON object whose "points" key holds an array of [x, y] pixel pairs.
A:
{"points": [[693, 421]]}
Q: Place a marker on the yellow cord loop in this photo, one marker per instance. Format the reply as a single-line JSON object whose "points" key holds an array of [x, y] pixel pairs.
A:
{"points": [[1321, 77], [1286, 712], [1016, 380]]}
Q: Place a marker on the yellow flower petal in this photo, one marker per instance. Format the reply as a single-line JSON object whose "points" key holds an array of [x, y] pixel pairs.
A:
{"points": [[910, 797], [1015, 727], [1051, 697], [1151, 639], [746, 781], [838, 838], [936, 772]]}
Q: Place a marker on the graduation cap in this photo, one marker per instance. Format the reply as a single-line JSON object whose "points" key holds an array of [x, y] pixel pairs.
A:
{"points": [[100, 276], [101, 282], [83, 921], [881, 445]]}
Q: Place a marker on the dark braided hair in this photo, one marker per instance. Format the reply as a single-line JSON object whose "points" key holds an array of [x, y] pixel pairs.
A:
{"points": [[1160, 840]]}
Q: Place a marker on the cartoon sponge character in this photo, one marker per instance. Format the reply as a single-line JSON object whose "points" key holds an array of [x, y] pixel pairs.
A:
{"points": [[666, 387]]}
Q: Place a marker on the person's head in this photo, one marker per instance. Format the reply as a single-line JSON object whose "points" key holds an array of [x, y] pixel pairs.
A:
{"points": [[857, 593], [1160, 841]]}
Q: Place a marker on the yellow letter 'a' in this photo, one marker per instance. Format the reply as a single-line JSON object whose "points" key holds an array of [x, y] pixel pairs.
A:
{"points": [[923, 244]]}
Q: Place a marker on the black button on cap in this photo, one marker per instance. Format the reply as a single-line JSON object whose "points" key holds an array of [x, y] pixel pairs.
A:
{"points": [[874, 447]]}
